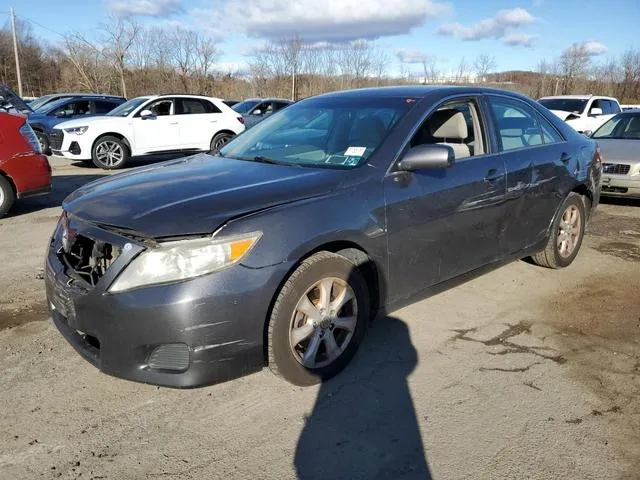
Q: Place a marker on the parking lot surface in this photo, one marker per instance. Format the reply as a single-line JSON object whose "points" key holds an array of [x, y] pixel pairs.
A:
{"points": [[521, 373]]}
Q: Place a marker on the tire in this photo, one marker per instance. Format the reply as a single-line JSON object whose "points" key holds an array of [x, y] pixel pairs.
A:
{"points": [[557, 253], [285, 358], [44, 142], [110, 153], [7, 196], [218, 141]]}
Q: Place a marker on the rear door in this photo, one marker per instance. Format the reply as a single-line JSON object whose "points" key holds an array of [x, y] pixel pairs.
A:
{"points": [[538, 160], [445, 222], [199, 120]]}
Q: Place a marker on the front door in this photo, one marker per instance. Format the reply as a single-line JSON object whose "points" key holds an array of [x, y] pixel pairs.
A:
{"points": [[442, 223], [159, 132]]}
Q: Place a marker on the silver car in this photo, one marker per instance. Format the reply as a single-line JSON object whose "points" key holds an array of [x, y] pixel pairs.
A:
{"points": [[619, 141]]}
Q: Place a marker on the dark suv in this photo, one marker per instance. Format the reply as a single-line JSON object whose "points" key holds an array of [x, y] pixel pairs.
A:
{"points": [[43, 119]]}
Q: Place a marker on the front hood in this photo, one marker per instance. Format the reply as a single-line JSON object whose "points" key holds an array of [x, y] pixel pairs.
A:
{"points": [[618, 150], [194, 195], [562, 114], [83, 122]]}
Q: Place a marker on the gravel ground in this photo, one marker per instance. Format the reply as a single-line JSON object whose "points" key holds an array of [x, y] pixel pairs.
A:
{"points": [[521, 373]]}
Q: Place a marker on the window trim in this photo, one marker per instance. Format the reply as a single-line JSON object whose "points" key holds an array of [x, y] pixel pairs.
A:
{"points": [[145, 106], [459, 97]]}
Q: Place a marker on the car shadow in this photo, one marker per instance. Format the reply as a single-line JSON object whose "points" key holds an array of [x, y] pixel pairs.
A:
{"points": [[364, 424], [61, 187]]}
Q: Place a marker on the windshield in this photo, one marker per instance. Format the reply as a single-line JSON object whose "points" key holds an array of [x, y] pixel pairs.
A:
{"points": [[573, 105], [625, 127], [330, 132], [127, 107], [40, 102], [244, 107], [52, 106]]}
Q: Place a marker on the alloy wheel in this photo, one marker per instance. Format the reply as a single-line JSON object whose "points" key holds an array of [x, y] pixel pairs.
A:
{"points": [[323, 323], [109, 153], [569, 231]]}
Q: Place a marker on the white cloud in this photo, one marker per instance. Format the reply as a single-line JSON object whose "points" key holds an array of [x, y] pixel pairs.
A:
{"points": [[406, 55], [519, 39], [498, 26], [148, 8], [594, 48], [328, 20]]}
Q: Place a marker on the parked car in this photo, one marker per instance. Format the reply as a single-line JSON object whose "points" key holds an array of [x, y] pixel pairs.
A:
{"points": [[278, 250], [584, 113], [619, 141], [24, 171], [45, 99], [254, 110], [148, 125], [48, 116]]}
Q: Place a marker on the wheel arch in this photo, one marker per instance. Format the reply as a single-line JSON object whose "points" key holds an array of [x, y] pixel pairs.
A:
{"points": [[7, 177], [353, 252]]}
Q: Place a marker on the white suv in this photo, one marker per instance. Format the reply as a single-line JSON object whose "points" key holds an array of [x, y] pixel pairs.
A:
{"points": [[584, 113], [147, 125]]}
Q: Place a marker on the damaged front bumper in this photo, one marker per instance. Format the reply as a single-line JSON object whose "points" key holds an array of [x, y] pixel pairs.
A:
{"points": [[193, 333]]}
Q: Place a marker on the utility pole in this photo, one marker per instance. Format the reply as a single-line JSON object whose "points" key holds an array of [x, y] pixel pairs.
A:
{"points": [[15, 50]]}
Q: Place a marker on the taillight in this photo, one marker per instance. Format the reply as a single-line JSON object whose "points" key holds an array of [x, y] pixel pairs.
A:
{"points": [[598, 157], [241, 120], [30, 136]]}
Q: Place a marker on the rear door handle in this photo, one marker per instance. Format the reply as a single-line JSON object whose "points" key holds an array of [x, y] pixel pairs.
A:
{"points": [[493, 175], [565, 157], [173, 123]]}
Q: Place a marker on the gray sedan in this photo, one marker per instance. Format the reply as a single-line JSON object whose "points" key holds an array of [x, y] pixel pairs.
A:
{"points": [[619, 141], [254, 110]]}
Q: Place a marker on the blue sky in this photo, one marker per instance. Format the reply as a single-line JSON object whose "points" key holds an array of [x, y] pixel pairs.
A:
{"points": [[517, 33]]}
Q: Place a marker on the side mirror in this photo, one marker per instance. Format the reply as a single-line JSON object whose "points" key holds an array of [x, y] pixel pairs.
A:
{"points": [[257, 112], [594, 112], [427, 157], [146, 114], [60, 114], [587, 133]]}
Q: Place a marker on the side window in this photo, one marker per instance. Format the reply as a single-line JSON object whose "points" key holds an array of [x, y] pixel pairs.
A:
{"points": [[104, 106], [613, 107], [66, 110], [632, 129], [161, 107], [549, 133], [606, 107], [516, 123], [456, 124], [595, 104], [82, 107], [195, 106], [280, 105]]}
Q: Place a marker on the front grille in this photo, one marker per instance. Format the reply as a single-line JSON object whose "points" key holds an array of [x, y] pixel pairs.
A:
{"points": [[85, 258], [616, 168], [55, 139]]}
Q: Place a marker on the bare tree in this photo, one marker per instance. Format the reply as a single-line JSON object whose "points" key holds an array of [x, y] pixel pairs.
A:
{"points": [[484, 65], [430, 67], [86, 59], [574, 63], [119, 34], [461, 74]]}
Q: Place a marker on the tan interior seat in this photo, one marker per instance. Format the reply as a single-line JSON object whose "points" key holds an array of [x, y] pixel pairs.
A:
{"points": [[449, 127]]}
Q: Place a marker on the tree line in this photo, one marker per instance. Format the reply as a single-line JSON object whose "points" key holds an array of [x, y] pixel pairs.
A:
{"points": [[126, 58]]}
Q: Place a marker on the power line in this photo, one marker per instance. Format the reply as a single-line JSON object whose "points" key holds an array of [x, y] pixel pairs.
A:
{"points": [[39, 25]]}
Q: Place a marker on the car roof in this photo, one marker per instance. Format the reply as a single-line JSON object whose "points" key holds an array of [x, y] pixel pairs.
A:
{"points": [[268, 99], [420, 91], [189, 95]]}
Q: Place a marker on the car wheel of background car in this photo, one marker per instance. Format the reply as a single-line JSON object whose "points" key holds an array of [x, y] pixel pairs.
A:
{"points": [[218, 141], [110, 153], [43, 139], [318, 320], [566, 235], [7, 197]]}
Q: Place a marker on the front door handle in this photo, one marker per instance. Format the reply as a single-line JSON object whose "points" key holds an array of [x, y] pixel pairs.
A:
{"points": [[173, 123], [565, 157], [493, 175]]}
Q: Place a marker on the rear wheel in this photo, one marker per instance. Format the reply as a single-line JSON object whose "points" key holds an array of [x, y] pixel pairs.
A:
{"points": [[218, 141], [318, 320], [566, 236], [109, 153], [7, 196]]}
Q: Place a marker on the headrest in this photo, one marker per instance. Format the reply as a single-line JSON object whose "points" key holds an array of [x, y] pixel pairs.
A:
{"points": [[448, 123]]}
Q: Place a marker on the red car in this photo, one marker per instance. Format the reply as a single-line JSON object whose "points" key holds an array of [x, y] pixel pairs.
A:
{"points": [[24, 171]]}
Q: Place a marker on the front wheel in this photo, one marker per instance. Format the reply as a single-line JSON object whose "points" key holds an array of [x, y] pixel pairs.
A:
{"points": [[318, 320], [7, 197], [43, 140], [566, 236], [109, 153], [218, 141]]}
